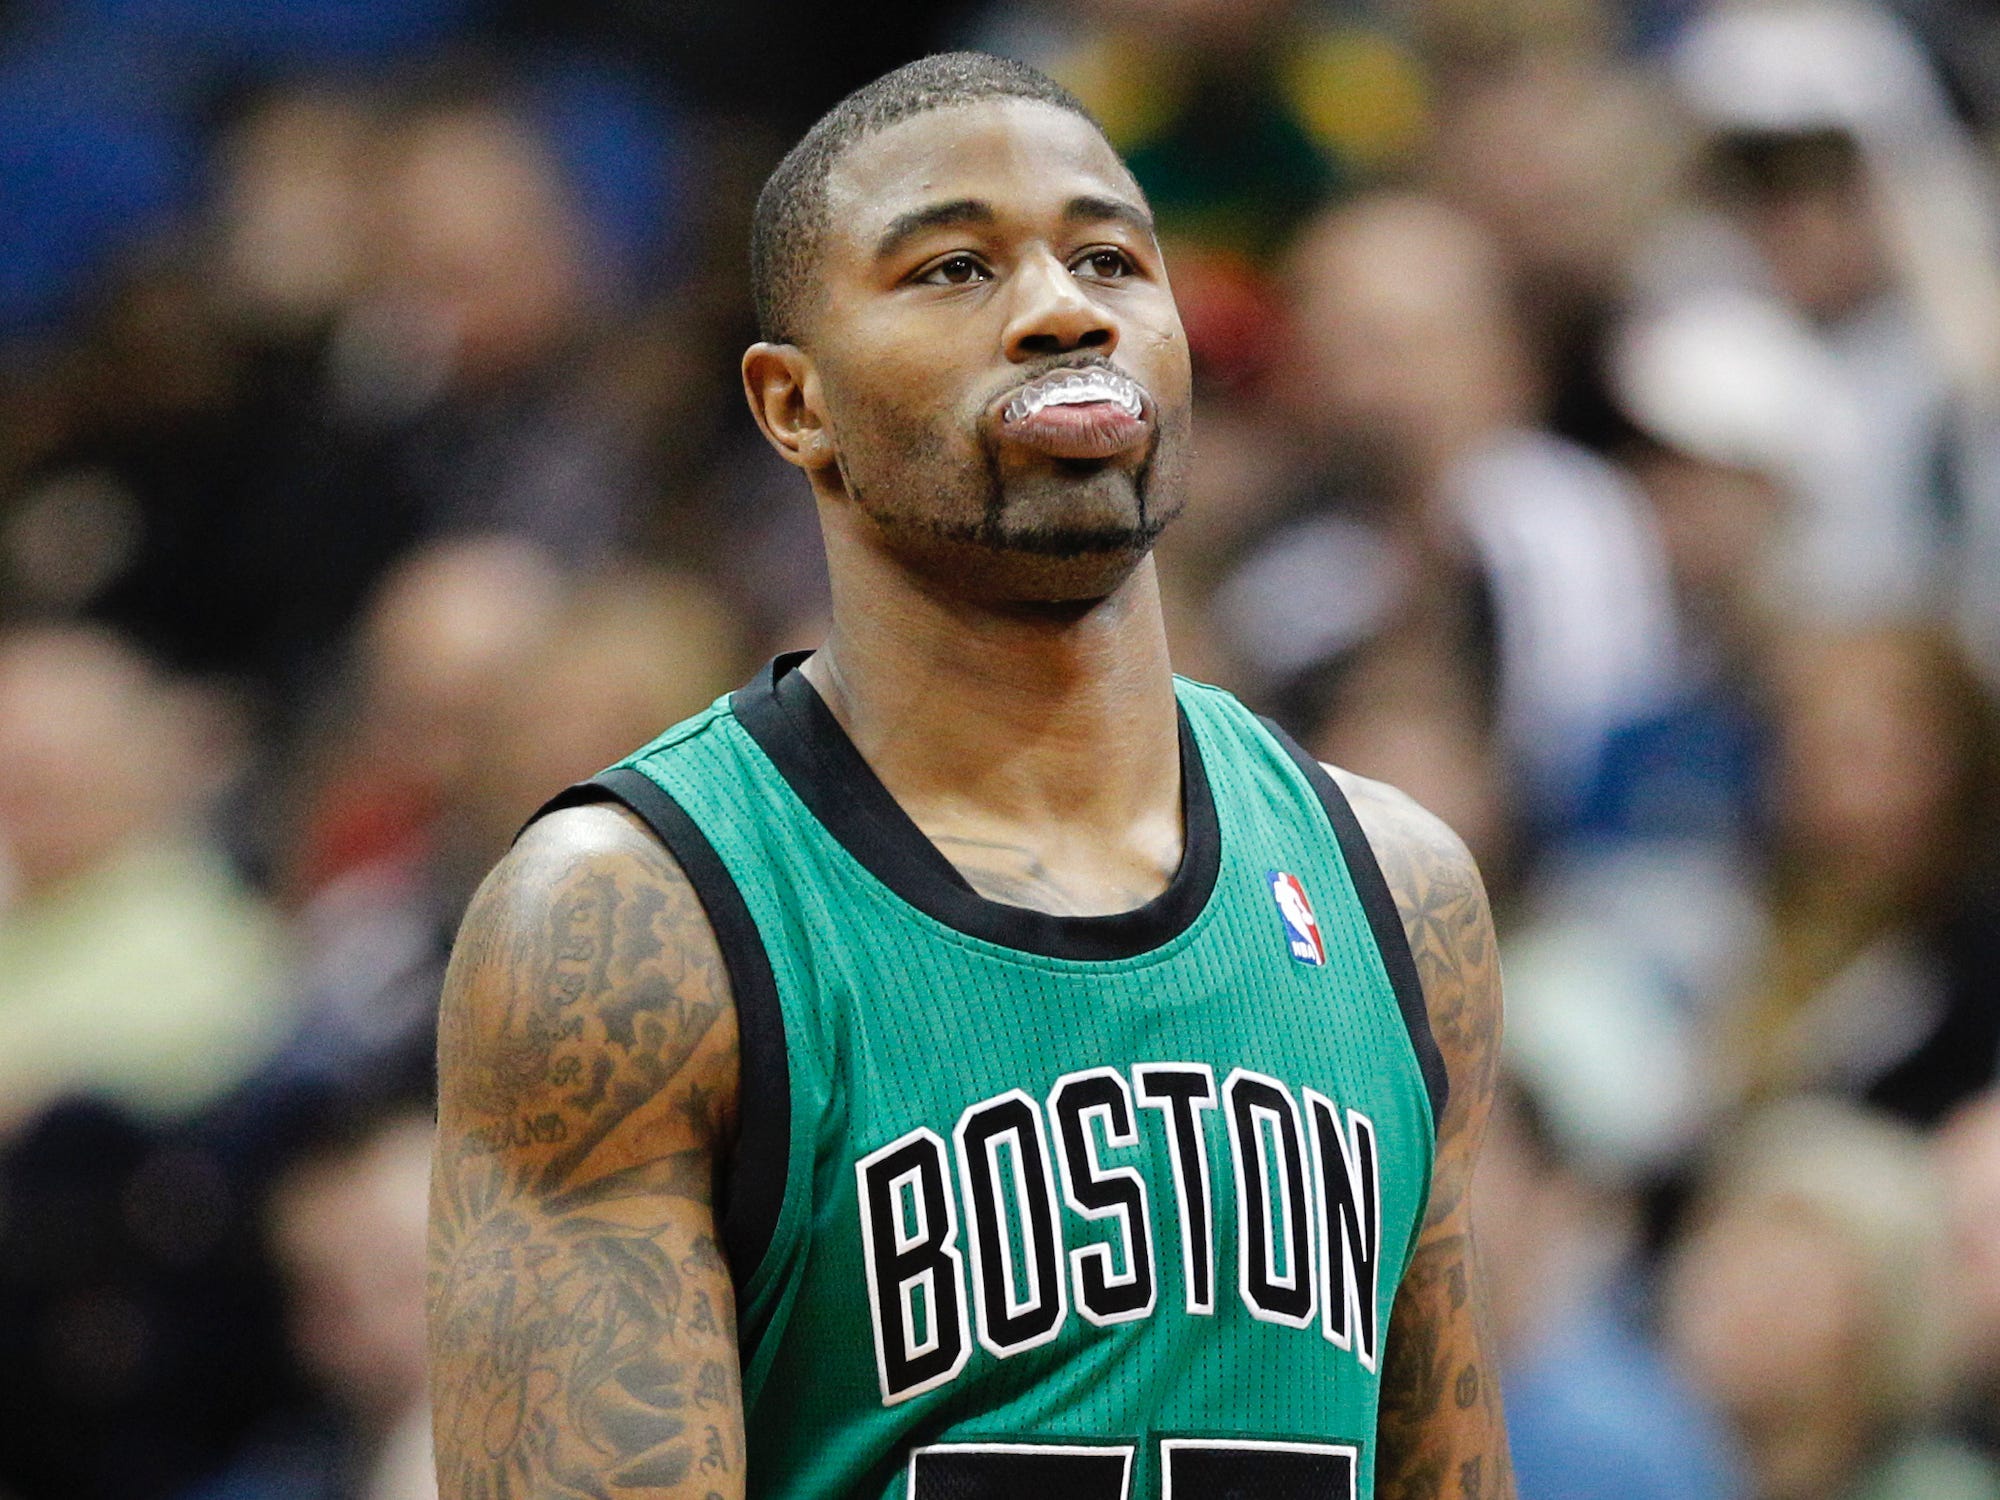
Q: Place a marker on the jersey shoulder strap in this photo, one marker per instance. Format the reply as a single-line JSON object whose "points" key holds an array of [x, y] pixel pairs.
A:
{"points": [[1385, 918], [750, 1185]]}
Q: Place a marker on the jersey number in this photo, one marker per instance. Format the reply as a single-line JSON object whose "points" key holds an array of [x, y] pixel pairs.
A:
{"points": [[1190, 1469]]}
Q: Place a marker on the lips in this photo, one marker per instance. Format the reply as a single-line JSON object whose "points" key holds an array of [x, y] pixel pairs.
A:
{"points": [[1090, 413]]}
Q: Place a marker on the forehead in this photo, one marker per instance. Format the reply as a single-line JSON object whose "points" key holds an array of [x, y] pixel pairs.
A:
{"points": [[1020, 156]]}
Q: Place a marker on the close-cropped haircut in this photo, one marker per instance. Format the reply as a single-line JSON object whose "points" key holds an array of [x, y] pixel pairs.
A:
{"points": [[791, 218]]}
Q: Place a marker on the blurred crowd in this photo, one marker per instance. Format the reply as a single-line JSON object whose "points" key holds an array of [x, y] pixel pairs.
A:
{"points": [[1598, 436]]}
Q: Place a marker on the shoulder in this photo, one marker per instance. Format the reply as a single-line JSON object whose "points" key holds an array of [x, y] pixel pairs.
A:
{"points": [[587, 1083], [585, 981], [577, 881], [1442, 902], [599, 837], [1408, 839]]}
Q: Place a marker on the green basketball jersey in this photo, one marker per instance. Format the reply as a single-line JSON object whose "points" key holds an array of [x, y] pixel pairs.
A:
{"points": [[1053, 1208]]}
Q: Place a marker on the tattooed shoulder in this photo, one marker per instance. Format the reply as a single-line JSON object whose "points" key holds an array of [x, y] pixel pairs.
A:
{"points": [[584, 983], [1450, 928], [1441, 1428], [582, 1328]]}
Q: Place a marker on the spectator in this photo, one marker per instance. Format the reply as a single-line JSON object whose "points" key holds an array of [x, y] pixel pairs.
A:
{"points": [[1570, 162], [462, 391], [1850, 192], [449, 632], [500, 688], [450, 625], [1593, 1411], [1395, 716], [288, 220], [1241, 119], [633, 652], [1884, 954], [1513, 568], [1716, 396], [1807, 1303], [468, 355], [134, 966], [346, 1221], [1649, 912], [139, 981]]}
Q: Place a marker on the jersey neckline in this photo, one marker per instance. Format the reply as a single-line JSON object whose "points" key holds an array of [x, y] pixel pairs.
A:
{"points": [[792, 724]]}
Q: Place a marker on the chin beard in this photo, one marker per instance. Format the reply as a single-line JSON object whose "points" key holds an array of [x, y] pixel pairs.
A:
{"points": [[1002, 526], [1005, 529], [1060, 543]]}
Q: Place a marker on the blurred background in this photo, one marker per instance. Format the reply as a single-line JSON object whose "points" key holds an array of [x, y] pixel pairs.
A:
{"points": [[1599, 437]]}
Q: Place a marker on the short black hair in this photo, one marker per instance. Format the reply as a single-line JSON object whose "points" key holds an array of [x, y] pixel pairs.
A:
{"points": [[790, 221]]}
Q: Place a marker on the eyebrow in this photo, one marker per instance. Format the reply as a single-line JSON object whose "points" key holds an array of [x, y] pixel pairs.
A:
{"points": [[973, 211], [905, 227], [1088, 209]]}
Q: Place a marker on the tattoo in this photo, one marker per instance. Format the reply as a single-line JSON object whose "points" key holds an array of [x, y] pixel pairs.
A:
{"points": [[1441, 1419], [715, 1386], [582, 1322], [1413, 1381], [1466, 1391], [1443, 906], [1430, 1417], [1015, 875]]}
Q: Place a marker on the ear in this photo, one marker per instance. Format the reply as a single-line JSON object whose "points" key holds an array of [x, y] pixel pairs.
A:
{"points": [[783, 390]]}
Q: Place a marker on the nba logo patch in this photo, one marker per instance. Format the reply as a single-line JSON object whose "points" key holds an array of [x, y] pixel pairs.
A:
{"points": [[1301, 928]]}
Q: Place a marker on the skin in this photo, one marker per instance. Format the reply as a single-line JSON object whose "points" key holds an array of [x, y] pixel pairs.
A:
{"points": [[582, 1327], [582, 1319], [1060, 657], [1441, 1429]]}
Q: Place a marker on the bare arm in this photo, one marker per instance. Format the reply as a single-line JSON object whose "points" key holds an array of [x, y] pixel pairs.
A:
{"points": [[1441, 1430], [582, 1325]]}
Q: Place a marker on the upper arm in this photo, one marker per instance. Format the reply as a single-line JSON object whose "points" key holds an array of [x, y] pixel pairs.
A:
{"points": [[1450, 929], [582, 1327], [1441, 1428]]}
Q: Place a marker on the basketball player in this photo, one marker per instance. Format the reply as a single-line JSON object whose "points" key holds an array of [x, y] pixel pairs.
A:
{"points": [[968, 1063]]}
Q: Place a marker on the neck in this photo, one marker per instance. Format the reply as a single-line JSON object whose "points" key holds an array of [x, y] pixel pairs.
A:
{"points": [[1036, 746], [1034, 713]]}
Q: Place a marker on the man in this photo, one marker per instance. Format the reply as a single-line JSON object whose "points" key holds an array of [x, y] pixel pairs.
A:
{"points": [[760, 1084], [1594, 1412], [344, 1219]]}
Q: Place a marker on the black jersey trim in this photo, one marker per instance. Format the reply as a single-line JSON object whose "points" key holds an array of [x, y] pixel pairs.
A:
{"points": [[1384, 919], [750, 1191], [793, 725]]}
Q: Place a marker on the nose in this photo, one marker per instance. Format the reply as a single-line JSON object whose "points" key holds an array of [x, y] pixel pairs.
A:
{"points": [[1054, 314]]}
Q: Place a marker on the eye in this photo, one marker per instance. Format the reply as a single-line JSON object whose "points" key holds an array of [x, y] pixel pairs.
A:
{"points": [[1105, 262], [955, 270]]}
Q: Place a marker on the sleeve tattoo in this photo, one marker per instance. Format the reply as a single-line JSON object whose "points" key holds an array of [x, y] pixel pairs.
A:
{"points": [[1441, 1431], [582, 1322]]}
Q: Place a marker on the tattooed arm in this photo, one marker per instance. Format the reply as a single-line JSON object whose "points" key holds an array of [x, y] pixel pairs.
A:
{"points": [[581, 1320], [1441, 1432]]}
